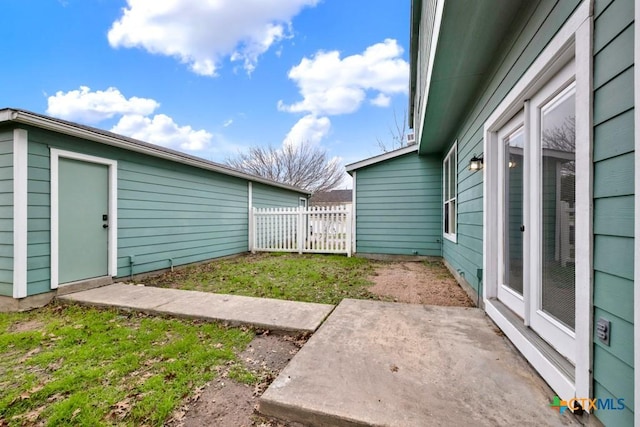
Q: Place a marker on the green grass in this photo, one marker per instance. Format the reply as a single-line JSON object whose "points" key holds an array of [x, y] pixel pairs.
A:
{"points": [[311, 278], [71, 365]]}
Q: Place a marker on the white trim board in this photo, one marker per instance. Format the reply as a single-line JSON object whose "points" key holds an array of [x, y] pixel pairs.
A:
{"points": [[573, 40], [56, 154], [20, 212], [381, 158], [354, 210]]}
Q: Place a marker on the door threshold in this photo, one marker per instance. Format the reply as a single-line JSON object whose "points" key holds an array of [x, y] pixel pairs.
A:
{"points": [[554, 368], [83, 285]]}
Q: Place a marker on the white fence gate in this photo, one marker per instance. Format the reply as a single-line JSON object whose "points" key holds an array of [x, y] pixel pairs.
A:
{"points": [[301, 229]]}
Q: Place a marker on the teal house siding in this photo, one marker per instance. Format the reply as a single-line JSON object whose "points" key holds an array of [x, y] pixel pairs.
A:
{"points": [[536, 24], [613, 193], [399, 206], [265, 196], [6, 213], [39, 219], [169, 213], [177, 216]]}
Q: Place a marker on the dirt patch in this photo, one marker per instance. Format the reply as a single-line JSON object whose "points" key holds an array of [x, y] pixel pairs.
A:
{"points": [[227, 403], [26, 326], [418, 283]]}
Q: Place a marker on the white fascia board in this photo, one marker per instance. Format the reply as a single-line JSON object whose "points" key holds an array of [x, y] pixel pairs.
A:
{"points": [[42, 122], [381, 158], [435, 37]]}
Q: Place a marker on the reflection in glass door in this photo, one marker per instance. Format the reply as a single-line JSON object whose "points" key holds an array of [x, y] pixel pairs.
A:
{"points": [[558, 141], [511, 194], [514, 191]]}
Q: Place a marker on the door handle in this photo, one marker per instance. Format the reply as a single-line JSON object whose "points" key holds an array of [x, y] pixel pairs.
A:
{"points": [[522, 228], [105, 225]]}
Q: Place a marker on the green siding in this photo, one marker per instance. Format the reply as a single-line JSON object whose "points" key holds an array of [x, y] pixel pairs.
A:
{"points": [[265, 196], [398, 206], [167, 212], [6, 213], [613, 203], [533, 28]]}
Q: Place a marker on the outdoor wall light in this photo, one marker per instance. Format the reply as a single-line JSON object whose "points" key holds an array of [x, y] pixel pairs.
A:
{"points": [[476, 163]]}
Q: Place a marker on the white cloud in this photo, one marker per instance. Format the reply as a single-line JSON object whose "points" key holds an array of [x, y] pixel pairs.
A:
{"points": [[227, 123], [308, 129], [331, 85], [381, 100], [201, 33], [93, 107], [162, 130], [135, 117]]}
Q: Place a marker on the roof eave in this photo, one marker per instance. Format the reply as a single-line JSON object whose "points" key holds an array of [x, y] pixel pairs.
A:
{"points": [[114, 140], [380, 158]]}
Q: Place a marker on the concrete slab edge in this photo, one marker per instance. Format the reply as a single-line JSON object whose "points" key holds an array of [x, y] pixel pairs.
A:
{"points": [[224, 322], [305, 416]]}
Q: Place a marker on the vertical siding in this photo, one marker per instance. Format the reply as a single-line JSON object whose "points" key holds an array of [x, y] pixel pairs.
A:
{"points": [[6, 213], [265, 196], [536, 24], [399, 206], [613, 203], [167, 212]]}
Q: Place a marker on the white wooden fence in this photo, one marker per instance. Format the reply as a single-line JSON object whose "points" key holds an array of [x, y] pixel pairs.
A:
{"points": [[301, 229]]}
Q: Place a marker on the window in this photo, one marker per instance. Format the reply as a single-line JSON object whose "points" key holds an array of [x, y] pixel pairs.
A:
{"points": [[449, 191]]}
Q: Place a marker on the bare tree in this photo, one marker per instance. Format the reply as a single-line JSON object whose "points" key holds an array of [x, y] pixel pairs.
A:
{"points": [[398, 132], [303, 165], [562, 138]]}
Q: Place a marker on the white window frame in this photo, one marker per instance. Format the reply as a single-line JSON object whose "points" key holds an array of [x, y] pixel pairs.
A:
{"points": [[446, 180], [574, 40]]}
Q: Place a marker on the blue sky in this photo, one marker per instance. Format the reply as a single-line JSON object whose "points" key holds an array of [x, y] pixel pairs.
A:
{"points": [[213, 77]]}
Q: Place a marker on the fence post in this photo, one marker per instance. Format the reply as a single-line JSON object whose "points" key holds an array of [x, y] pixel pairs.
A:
{"points": [[348, 231], [299, 232], [252, 228]]}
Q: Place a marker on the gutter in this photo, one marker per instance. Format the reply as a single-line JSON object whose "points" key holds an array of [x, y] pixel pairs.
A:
{"points": [[414, 44], [115, 140]]}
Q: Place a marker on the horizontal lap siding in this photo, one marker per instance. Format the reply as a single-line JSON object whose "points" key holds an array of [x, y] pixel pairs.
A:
{"points": [[536, 24], [174, 214], [6, 213], [265, 196], [166, 211], [398, 206], [613, 175]]}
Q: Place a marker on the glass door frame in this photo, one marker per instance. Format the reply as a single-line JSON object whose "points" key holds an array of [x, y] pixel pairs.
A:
{"points": [[561, 337], [508, 296]]}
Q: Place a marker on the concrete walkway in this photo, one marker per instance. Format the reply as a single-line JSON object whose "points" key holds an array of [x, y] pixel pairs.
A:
{"points": [[389, 364], [233, 309]]}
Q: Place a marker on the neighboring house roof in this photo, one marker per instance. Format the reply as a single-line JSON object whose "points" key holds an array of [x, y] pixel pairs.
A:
{"points": [[381, 158], [13, 115], [457, 44], [334, 197]]}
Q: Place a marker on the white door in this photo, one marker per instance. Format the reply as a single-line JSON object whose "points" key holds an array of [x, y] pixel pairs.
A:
{"points": [[537, 215], [553, 286], [511, 194]]}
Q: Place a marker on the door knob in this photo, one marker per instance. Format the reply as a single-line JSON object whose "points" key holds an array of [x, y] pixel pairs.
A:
{"points": [[105, 225]]}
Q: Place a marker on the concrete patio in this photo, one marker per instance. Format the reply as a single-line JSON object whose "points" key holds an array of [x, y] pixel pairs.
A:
{"points": [[389, 364], [263, 313], [372, 363]]}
